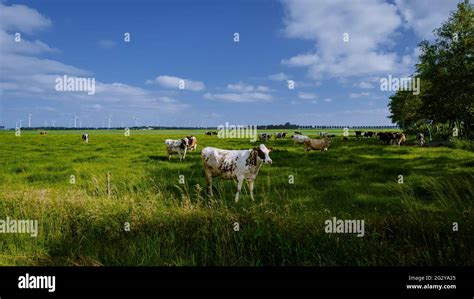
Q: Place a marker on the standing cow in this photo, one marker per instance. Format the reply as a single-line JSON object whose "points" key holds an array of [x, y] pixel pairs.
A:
{"points": [[237, 165], [192, 143], [85, 137], [317, 144], [179, 146], [300, 139]]}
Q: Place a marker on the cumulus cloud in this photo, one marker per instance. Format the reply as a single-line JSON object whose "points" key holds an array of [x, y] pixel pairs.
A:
{"points": [[242, 87], [370, 26], [364, 85], [22, 18], [425, 15], [359, 95], [279, 77], [106, 44], [307, 96], [245, 97], [175, 82]]}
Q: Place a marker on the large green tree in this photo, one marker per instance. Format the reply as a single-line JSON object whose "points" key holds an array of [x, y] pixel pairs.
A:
{"points": [[446, 71]]}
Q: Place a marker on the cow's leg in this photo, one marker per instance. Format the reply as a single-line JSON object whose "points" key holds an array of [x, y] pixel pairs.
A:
{"points": [[251, 185], [184, 155], [209, 183], [240, 181]]}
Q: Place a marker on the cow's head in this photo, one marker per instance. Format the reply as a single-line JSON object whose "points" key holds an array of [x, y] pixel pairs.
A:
{"points": [[264, 154]]}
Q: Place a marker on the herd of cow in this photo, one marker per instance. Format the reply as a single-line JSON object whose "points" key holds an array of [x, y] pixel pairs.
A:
{"points": [[244, 165]]}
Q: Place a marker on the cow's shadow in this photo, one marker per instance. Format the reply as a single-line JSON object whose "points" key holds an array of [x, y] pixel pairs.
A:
{"points": [[158, 158]]}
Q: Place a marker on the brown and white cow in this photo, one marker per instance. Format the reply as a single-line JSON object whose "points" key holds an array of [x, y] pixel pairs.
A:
{"points": [[317, 144], [192, 143], [237, 165], [400, 139]]}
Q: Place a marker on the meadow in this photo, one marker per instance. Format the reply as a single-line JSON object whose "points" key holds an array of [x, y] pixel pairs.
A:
{"points": [[171, 223]]}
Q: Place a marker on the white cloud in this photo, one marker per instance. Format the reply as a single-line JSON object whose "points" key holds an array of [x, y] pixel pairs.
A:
{"points": [[370, 25], [358, 95], [307, 96], [364, 85], [301, 60], [242, 87], [425, 15], [279, 77], [239, 97], [174, 83], [106, 44], [22, 18], [328, 100]]}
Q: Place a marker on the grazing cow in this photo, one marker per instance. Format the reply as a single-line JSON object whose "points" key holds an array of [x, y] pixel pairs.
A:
{"points": [[317, 144], [387, 137], [43, 133], [281, 135], [264, 136], [192, 142], [345, 138], [420, 137], [85, 137], [237, 165], [298, 133], [369, 134], [179, 146], [300, 139], [358, 134], [208, 133], [399, 139], [323, 134], [214, 133]]}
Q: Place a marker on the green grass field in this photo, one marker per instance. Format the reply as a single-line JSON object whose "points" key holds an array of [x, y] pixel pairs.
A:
{"points": [[177, 224]]}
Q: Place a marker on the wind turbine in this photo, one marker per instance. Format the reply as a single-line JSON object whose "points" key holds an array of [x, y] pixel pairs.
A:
{"points": [[75, 121], [29, 120], [136, 121], [110, 120], [53, 122], [20, 123]]}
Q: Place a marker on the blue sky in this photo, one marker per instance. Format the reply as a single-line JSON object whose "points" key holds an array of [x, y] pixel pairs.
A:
{"points": [[336, 81]]}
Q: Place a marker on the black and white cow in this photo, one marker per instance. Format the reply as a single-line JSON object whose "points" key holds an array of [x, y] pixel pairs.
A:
{"points": [[237, 165], [85, 137], [264, 136], [179, 146]]}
